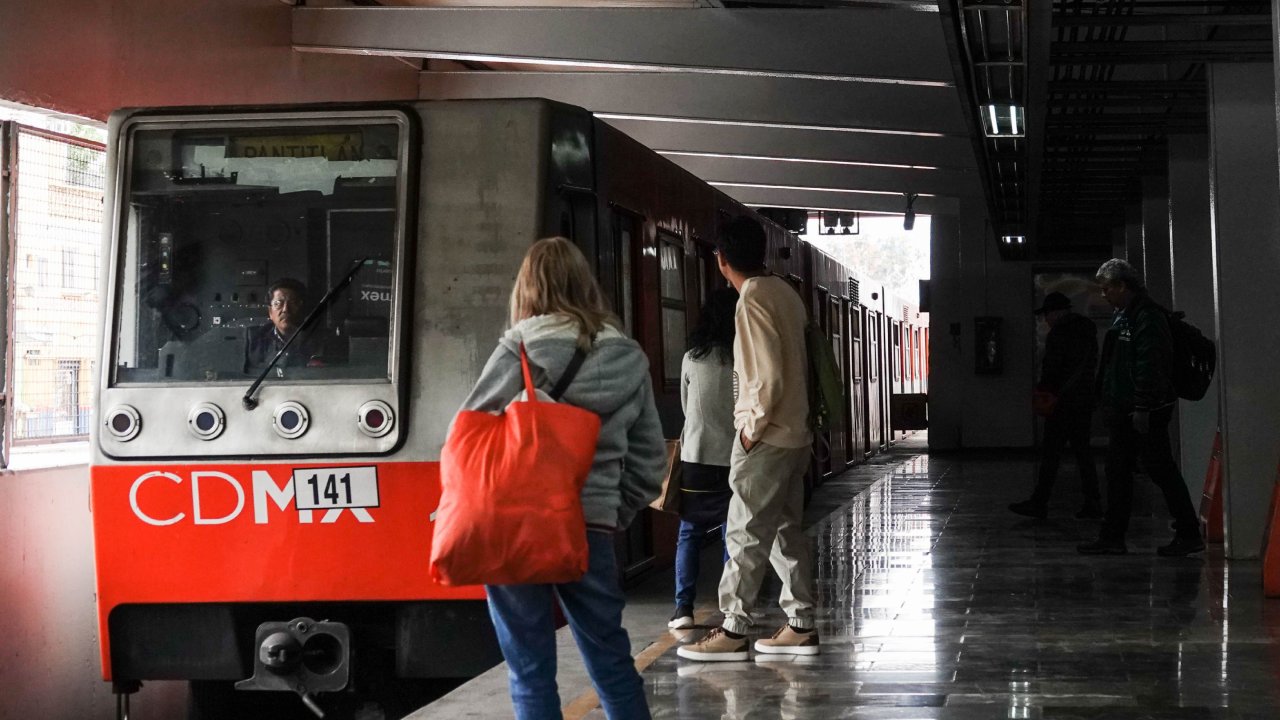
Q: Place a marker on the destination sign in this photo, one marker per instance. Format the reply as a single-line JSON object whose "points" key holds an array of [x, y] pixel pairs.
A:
{"points": [[330, 146]]}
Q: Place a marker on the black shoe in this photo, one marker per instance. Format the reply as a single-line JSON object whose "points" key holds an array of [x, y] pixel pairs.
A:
{"points": [[1030, 508], [1181, 546], [1103, 547], [1090, 512]]}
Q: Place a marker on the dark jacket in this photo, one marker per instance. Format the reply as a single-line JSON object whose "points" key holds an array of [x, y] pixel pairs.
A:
{"points": [[1070, 361], [1137, 372], [264, 342]]}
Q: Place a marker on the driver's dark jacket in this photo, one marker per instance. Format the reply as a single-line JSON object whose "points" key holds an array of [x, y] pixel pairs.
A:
{"points": [[1137, 363], [264, 342]]}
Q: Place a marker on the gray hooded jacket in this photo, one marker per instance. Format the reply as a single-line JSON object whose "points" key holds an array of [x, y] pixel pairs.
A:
{"points": [[613, 383]]}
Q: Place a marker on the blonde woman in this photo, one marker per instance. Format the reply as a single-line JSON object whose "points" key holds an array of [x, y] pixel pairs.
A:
{"points": [[557, 309]]}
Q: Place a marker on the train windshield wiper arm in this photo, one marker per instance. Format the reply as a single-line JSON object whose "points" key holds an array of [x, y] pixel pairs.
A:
{"points": [[248, 400]]}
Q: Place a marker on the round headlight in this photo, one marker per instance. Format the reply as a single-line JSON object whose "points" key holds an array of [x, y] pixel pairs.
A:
{"points": [[123, 422], [290, 420], [206, 421]]}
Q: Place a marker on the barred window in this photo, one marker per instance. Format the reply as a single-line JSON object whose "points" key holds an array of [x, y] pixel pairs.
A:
{"points": [[57, 225]]}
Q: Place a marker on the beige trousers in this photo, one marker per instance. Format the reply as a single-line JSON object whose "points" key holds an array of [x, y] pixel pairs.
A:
{"points": [[764, 528]]}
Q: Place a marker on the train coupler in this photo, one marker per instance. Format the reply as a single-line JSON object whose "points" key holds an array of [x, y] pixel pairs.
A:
{"points": [[303, 656]]}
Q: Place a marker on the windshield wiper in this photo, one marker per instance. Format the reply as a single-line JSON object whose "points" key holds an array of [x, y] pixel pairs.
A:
{"points": [[249, 401]]}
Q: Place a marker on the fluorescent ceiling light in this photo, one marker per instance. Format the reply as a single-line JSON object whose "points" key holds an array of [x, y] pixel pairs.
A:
{"points": [[754, 124], [1004, 121], [774, 158]]}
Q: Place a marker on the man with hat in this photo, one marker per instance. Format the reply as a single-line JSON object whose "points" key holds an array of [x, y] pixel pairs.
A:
{"points": [[1067, 378]]}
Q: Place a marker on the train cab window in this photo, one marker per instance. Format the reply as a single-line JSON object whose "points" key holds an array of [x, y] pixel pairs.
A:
{"points": [[674, 307], [233, 231]]}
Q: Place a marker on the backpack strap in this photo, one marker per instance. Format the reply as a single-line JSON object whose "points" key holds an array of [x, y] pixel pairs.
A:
{"points": [[571, 370]]}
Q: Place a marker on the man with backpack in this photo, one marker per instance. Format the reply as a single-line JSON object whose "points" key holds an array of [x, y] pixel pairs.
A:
{"points": [[1138, 395], [769, 457]]}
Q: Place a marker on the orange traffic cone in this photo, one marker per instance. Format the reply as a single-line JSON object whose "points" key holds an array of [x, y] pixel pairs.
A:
{"points": [[1271, 550], [1211, 499]]}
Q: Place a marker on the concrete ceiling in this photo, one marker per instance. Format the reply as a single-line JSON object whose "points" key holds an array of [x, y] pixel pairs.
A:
{"points": [[837, 108]]}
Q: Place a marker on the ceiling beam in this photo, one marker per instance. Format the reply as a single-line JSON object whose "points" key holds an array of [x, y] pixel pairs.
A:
{"points": [[948, 153], [869, 109], [836, 200], [1158, 52], [784, 43], [1109, 20], [872, 179]]}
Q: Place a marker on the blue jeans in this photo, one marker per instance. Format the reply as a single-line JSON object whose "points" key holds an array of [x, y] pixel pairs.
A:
{"points": [[523, 617], [688, 555]]}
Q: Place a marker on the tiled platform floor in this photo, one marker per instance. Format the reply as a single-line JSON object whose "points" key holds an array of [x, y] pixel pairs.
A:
{"points": [[936, 602]]}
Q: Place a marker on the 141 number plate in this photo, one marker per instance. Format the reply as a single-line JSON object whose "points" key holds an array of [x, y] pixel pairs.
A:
{"points": [[328, 488]]}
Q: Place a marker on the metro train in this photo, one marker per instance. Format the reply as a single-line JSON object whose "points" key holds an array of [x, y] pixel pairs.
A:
{"points": [[267, 527]]}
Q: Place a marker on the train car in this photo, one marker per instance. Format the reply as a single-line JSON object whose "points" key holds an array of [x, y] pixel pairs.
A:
{"points": [[262, 520]]}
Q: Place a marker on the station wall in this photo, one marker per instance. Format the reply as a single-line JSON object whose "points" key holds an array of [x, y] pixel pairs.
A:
{"points": [[88, 57], [49, 665]]}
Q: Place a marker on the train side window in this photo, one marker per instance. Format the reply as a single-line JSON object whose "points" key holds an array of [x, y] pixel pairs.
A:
{"points": [[232, 232], [674, 307]]}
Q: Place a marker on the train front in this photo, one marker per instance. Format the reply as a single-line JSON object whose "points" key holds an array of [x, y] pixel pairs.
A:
{"points": [[260, 519]]}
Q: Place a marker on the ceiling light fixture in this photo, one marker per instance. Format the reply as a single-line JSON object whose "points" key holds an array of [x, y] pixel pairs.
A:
{"points": [[1004, 121], [909, 218]]}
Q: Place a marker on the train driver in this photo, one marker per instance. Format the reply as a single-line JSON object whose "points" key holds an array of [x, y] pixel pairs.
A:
{"points": [[287, 308]]}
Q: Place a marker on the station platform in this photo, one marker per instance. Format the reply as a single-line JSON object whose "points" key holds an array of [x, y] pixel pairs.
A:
{"points": [[936, 602]]}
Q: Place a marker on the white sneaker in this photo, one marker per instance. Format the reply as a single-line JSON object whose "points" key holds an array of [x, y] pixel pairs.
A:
{"points": [[683, 618]]}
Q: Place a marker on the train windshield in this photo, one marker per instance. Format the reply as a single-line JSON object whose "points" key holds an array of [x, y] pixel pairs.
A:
{"points": [[232, 234]]}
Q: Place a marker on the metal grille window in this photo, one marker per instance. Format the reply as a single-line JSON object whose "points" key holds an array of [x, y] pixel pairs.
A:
{"points": [[57, 183]]}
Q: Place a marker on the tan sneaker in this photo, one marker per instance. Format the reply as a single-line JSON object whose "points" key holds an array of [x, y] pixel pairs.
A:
{"points": [[716, 647], [789, 642]]}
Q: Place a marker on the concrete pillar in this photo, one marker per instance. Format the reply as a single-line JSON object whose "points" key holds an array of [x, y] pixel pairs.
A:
{"points": [[947, 335], [1244, 186], [970, 280], [1192, 285], [1155, 238], [1133, 235]]}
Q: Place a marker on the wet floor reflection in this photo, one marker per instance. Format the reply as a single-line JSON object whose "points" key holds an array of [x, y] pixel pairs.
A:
{"points": [[936, 603]]}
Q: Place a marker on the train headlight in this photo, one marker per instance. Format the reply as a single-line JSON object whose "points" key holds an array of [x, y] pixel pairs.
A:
{"points": [[206, 421], [123, 422], [375, 418], [290, 420]]}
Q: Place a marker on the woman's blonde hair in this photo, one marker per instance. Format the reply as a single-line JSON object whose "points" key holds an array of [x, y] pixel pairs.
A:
{"points": [[555, 278]]}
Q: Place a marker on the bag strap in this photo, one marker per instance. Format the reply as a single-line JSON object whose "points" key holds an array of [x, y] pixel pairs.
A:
{"points": [[530, 394], [575, 363]]}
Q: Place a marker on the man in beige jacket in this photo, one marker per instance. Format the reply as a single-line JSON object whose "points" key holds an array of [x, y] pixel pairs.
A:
{"points": [[769, 458]]}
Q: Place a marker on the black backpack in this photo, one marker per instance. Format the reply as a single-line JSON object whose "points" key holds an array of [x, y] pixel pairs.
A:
{"points": [[1195, 357]]}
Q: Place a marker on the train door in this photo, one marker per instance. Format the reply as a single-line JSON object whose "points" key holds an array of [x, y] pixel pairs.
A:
{"points": [[825, 438], [875, 403], [615, 268], [857, 388], [840, 424]]}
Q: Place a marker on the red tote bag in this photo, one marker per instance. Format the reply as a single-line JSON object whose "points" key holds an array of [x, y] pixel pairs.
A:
{"points": [[511, 498]]}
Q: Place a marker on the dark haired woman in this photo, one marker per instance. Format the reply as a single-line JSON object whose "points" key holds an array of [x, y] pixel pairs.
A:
{"points": [[706, 395]]}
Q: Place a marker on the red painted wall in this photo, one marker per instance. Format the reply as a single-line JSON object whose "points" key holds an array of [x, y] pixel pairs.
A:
{"points": [[88, 57]]}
